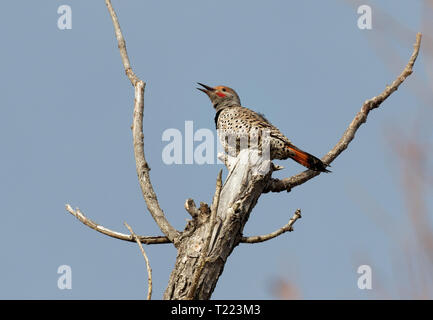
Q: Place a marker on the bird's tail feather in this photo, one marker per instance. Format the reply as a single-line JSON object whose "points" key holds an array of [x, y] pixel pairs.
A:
{"points": [[307, 160]]}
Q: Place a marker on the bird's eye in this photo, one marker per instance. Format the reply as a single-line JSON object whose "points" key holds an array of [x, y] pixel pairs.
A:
{"points": [[224, 89]]}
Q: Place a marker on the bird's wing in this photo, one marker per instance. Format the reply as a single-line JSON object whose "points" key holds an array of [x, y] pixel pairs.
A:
{"points": [[259, 120]]}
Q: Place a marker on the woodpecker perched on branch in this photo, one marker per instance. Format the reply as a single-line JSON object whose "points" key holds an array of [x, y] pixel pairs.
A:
{"points": [[240, 121]]}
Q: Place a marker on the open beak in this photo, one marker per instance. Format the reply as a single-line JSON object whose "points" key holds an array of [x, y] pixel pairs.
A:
{"points": [[206, 89]]}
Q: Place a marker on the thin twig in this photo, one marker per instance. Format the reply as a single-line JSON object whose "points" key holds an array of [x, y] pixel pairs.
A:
{"points": [[122, 45], [203, 257], [276, 185], [92, 224], [137, 133], [216, 197], [149, 270], [276, 233]]}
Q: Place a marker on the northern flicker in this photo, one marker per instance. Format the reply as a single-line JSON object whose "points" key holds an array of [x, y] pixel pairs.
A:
{"points": [[240, 121]]}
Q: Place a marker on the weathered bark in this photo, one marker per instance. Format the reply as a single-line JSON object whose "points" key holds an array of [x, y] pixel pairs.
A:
{"points": [[245, 182]]}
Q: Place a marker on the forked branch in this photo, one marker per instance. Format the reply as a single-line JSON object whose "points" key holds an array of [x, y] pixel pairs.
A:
{"points": [[171, 234], [137, 133]]}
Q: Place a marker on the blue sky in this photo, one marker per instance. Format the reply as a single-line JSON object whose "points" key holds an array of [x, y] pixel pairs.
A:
{"points": [[66, 111]]}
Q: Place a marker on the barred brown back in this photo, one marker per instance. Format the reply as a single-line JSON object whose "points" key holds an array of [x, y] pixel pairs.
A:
{"points": [[240, 128]]}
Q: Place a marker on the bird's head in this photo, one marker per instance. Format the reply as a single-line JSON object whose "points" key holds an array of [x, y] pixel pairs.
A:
{"points": [[221, 96]]}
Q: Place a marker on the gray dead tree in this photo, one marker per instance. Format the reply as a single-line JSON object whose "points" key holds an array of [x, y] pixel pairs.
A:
{"points": [[213, 232]]}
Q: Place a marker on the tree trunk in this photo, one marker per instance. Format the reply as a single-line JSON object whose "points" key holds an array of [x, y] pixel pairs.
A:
{"points": [[247, 178]]}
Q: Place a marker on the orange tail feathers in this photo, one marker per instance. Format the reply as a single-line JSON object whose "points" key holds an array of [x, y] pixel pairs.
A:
{"points": [[307, 160]]}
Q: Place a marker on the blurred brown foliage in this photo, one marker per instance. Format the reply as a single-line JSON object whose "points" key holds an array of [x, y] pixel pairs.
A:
{"points": [[411, 150], [284, 289]]}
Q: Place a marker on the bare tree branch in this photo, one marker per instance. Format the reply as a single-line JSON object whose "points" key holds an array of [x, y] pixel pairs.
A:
{"points": [[122, 45], [137, 132], [209, 239], [216, 197], [149, 270], [276, 185], [92, 224], [276, 233]]}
